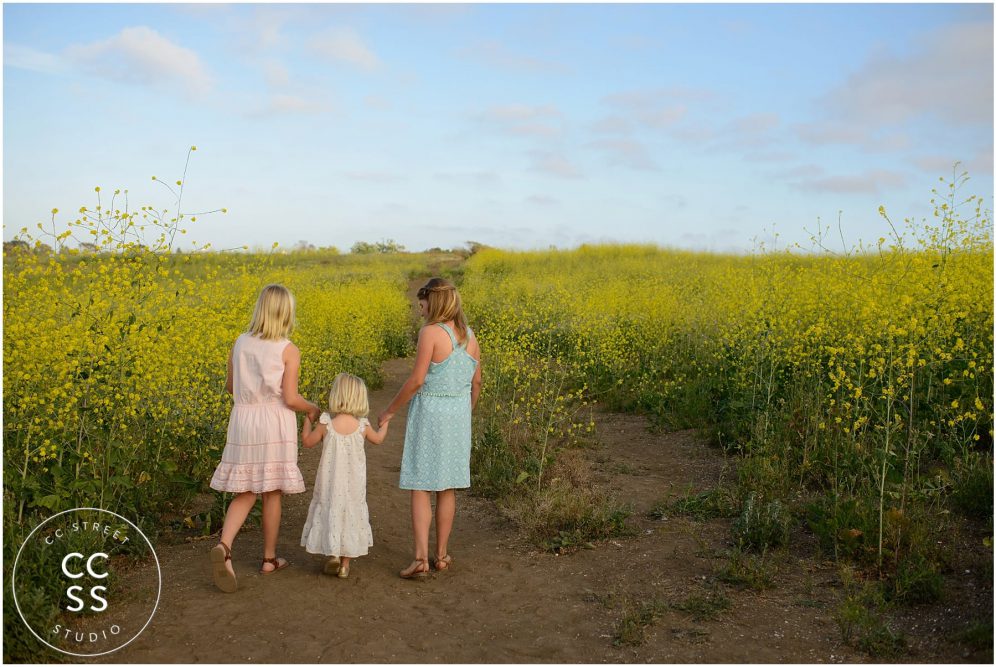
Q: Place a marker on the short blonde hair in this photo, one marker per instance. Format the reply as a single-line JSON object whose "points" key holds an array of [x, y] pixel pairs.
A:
{"points": [[349, 396], [273, 317], [444, 304]]}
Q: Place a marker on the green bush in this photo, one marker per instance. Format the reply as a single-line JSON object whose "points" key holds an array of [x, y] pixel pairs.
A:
{"points": [[762, 524]]}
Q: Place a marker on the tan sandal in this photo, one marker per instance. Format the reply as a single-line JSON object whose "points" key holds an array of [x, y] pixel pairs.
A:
{"points": [[419, 569], [442, 563], [277, 563], [224, 578]]}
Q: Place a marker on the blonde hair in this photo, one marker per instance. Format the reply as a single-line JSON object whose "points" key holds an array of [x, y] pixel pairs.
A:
{"points": [[349, 396], [444, 304], [273, 317]]}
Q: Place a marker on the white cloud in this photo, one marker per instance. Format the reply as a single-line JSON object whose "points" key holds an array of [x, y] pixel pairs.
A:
{"points": [[625, 153], [140, 55], [275, 73], [801, 171], [542, 200], [940, 165], [346, 46], [982, 163], [864, 136], [753, 132], [769, 156], [374, 176], [659, 107], [498, 55], [948, 76], [378, 102], [554, 164], [25, 57], [283, 104], [475, 177], [524, 120], [869, 182], [612, 125]]}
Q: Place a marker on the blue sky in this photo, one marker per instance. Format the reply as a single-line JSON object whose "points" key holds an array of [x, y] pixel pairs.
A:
{"points": [[521, 126]]}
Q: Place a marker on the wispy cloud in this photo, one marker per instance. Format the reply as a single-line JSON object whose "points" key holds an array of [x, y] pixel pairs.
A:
{"points": [[283, 104], [802, 171], [625, 153], [542, 200], [344, 45], [613, 124], [497, 54], [862, 135], [524, 120], [979, 163], [374, 176], [474, 177], [949, 76], [378, 102], [752, 132], [872, 181], [276, 74], [140, 55], [554, 164], [657, 108], [25, 57]]}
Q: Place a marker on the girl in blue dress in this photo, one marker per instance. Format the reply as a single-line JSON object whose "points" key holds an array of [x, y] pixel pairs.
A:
{"points": [[443, 389]]}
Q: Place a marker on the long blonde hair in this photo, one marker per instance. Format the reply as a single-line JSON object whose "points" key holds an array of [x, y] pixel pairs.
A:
{"points": [[444, 304], [349, 396], [273, 317]]}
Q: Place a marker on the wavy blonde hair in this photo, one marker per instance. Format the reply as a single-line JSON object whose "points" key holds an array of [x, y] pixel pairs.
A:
{"points": [[349, 396], [444, 304], [273, 317]]}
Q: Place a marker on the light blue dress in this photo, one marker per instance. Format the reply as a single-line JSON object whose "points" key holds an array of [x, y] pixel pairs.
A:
{"points": [[437, 436]]}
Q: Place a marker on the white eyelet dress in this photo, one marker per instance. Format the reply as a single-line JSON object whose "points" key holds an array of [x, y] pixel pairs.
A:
{"points": [[338, 522], [260, 453]]}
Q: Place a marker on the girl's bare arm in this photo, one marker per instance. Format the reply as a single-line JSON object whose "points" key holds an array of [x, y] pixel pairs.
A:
{"points": [[423, 355], [229, 380], [311, 435], [376, 437], [292, 369], [475, 383]]}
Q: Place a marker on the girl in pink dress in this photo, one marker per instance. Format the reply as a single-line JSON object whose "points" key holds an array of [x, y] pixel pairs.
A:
{"points": [[260, 455]]}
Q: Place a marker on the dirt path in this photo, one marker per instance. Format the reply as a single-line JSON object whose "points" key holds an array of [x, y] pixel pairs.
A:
{"points": [[502, 601]]}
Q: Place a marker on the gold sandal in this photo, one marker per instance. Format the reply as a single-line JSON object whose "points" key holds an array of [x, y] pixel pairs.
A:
{"points": [[331, 566], [419, 569], [443, 563]]}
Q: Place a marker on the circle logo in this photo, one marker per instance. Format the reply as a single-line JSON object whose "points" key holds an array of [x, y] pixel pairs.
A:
{"points": [[80, 584]]}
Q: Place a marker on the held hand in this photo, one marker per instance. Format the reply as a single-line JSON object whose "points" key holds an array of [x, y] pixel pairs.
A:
{"points": [[384, 418]]}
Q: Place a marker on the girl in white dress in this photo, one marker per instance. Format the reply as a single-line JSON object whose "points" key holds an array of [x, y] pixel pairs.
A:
{"points": [[338, 523]]}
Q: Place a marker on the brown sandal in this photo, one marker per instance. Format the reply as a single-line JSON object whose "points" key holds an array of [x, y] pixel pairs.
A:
{"points": [[442, 563], [419, 569], [224, 578], [277, 565]]}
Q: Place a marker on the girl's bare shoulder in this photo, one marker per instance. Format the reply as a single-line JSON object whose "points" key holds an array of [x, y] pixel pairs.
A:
{"points": [[432, 332]]}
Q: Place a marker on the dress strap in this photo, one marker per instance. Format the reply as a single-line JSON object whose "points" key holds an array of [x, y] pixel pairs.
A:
{"points": [[450, 333]]}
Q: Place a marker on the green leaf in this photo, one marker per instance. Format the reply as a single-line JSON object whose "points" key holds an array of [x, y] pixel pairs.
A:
{"points": [[523, 476]]}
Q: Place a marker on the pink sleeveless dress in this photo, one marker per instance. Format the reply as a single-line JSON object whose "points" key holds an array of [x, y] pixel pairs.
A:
{"points": [[261, 450]]}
